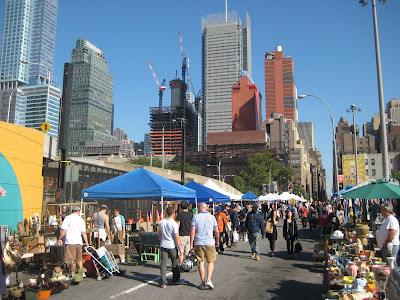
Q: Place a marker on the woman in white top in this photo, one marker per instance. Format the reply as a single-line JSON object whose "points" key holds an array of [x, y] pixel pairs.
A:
{"points": [[388, 232]]}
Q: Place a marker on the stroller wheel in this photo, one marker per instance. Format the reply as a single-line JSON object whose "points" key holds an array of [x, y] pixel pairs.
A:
{"points": [[98, 278]]}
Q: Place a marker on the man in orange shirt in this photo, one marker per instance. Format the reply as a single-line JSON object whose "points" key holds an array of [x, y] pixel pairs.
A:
{"points": [[222, 222], [303, 215]]}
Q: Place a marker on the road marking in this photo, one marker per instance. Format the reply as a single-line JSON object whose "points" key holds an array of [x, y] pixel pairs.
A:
{"points": [[138, 287]]}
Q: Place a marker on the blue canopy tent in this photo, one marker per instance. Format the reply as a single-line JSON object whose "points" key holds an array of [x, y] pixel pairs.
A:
{"points": [[204, 194], [139, 184], [345, 189], [249, 196]]}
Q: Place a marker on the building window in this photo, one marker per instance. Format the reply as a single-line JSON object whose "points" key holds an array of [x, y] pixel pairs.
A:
{"points": [[366, 172], [373, 172], [373, 161], [366, 161]]}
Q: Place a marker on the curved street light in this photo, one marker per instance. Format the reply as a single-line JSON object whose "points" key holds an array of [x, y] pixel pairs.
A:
{"points": [[334, 142]]}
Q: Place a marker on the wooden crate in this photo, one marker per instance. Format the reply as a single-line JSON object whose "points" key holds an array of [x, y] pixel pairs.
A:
{"points": [[36, 245], [116, 249]]}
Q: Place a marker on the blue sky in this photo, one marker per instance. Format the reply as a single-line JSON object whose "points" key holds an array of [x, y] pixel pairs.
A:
{"points": [[331, 43]]}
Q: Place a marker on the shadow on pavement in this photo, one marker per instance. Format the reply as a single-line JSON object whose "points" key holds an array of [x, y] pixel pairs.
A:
{"points": [[303, 290]]}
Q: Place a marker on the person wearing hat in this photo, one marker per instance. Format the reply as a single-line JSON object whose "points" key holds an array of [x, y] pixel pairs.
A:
{"points": [[255, 223], [222, 222], [102, 223], [73, 229]]}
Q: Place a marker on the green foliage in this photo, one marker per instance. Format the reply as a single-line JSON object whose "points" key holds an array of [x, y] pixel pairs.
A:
{"points": [[262, 168], [157, 163], [396, 175], [299, 190]]}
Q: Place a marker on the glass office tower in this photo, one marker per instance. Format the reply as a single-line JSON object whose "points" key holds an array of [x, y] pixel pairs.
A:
{"points": [[29, 30], [91, 116], [226, 50]]}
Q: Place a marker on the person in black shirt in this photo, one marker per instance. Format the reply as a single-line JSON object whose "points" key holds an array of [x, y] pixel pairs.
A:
{"points": [[290, 232], [184, 220]]}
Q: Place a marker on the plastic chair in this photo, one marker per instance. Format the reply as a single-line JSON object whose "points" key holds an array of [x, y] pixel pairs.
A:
{"points": [[149, 246]]}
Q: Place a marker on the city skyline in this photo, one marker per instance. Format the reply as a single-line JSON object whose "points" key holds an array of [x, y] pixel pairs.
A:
{"points": [[334, 59]]}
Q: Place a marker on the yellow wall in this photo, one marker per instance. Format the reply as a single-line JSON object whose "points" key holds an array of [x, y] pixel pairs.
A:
{"points": [[23, 148]]}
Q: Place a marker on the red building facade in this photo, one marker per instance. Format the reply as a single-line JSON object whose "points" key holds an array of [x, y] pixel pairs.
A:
{"points": [[246, 108], [280, 87]]}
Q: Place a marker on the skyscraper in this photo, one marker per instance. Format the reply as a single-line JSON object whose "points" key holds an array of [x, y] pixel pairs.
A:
{"points": [[306, 133], [280, 87], [91, 117], [28, 96], [226, 50]]}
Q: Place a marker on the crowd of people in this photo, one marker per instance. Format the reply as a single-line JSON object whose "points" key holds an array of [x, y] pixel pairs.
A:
{"points": [[208, 235], [208, 232]]}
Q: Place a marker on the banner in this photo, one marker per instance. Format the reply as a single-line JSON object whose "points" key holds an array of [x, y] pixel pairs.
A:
{"points": [[349, 169]]}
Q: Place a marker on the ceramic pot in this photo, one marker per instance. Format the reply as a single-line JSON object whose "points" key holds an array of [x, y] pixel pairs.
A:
{"points": [[352, 269], [362, 231]]}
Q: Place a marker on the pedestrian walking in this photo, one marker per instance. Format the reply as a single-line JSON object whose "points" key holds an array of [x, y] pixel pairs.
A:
{"points": [[102, 224], [118, 229], [235, 223], [170, 246], [204, 225], [255, 224], [242, 226], [73, 229], [222, 222], [303, 215], [290, 233], [272, 237], [388, 233], [184, 220]]}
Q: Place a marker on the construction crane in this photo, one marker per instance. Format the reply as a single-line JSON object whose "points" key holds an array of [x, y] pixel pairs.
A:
{"points": [[197, 96], [161, 88], [183, 58]]}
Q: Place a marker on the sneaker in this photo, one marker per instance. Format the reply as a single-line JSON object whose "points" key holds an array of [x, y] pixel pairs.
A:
{"points": [[210, 284], [179, 282], [163, 286], [257, 258], [253, 255], [203, 287], [84, 275], [272, 254]]}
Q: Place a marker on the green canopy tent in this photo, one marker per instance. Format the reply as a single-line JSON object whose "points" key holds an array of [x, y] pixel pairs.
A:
{"points": [[379, 189]]}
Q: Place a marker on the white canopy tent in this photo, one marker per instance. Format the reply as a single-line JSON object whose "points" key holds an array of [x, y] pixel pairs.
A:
{"points": [[270, 197], [210, 184]]}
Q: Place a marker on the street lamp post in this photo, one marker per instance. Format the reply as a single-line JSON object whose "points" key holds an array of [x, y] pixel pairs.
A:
{"points": [[48, 83], [219, 167], [336, 166], [9, 105], [353, 109], [384, 146]]}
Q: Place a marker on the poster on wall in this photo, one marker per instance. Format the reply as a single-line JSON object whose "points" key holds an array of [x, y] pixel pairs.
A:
{"points": [[349, 169]]}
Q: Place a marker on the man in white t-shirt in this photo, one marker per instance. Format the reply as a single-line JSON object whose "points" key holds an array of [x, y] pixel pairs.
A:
{"points": [[388, 232], [168, 232], [73, 228]]}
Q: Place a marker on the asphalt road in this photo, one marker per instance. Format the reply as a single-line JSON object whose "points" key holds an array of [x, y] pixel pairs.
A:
{"points": [[236, 276]]}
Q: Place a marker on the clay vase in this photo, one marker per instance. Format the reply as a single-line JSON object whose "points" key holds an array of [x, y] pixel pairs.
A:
{"points": [[352, 269], [362, 231]]}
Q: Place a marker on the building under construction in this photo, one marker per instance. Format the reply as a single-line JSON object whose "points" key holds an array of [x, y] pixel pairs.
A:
{"points": [[170, 123]]}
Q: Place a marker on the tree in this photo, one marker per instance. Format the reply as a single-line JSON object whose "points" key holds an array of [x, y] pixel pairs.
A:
{"points": [[396, 175], [299, 190], [262, 168]]}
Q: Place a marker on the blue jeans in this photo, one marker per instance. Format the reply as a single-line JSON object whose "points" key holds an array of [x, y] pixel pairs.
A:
{"points": [[173, 254], [395, 251], [254, 238]]}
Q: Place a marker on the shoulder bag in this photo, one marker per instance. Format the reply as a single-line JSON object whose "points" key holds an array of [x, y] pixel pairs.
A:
{"points": [[269, 228]]}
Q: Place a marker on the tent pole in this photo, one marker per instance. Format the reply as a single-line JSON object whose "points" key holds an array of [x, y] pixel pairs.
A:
{"points": [[162, 207], [196, 204]]}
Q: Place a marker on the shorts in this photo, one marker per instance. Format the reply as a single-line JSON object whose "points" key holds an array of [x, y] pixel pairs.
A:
{"points": [[185, 242], [205, 253], [73, 253]]}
